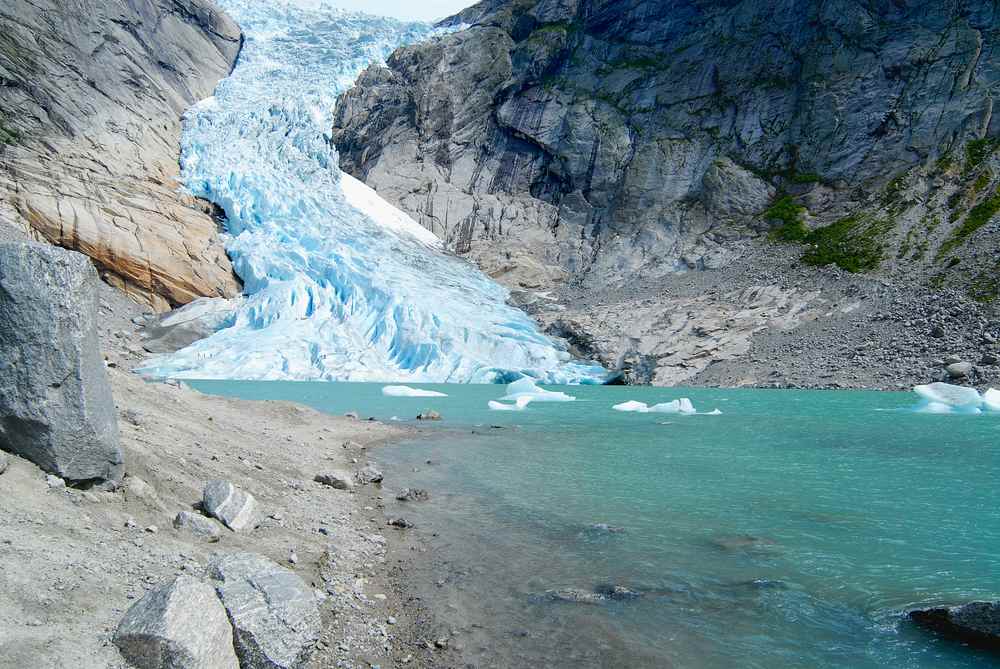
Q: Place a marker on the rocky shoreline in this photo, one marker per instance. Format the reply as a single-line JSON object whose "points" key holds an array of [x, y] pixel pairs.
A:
{"points": [[76, 558]]}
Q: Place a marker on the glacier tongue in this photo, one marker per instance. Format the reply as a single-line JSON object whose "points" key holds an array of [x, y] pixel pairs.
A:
{"points": [[339, 285]]}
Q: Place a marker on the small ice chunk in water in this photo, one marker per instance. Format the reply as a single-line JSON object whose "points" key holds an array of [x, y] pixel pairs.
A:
{"points": [[682, 406], [519, 405], [632, 405], [946, 398], [991, 399], [526, 388], [406, 391]]}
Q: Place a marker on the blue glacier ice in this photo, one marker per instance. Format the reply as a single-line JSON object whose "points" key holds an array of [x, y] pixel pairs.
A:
{"points": [[339, 285]]}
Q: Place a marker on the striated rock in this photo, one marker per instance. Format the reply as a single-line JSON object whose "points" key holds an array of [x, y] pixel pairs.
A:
{"points": [[273, 611], [976, 623], [197, 525], [235, 508], [336, 478], [181, 624], [89, 125], [56, 407]]}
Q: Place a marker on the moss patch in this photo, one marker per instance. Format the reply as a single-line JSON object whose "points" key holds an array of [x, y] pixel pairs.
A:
{"points": [[855, 244], [980, 215], [791, 214], [986, 286], [8, 135], [979, 150]]}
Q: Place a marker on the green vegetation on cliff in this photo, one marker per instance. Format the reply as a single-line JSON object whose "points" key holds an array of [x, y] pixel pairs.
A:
{"points": [[855, 244]]}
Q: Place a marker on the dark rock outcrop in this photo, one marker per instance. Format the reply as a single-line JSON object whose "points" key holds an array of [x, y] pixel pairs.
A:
{"points": [[56, 407], [586, 153], [91, 95], [977, 623]]}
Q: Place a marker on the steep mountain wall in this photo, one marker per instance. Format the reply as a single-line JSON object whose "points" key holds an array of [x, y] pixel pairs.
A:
{"points": [[91, 94], [585, 147]]}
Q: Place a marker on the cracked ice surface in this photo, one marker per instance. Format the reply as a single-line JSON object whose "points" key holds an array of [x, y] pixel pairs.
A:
{"points": [[339, 285]]}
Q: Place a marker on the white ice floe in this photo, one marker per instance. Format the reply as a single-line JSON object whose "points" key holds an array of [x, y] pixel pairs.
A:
{"points": [[944, 398], [519, 405], [526, 388], [991, 399], [681, 406], [406, 391]]}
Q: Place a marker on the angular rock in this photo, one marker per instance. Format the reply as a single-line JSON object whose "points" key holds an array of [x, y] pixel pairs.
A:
{"points": [[56, 407], [181, 624], [336, 478], [399, 523], [369, 475], [137, 488], [976, 623], [273, 612], [198, 525], [235, 508]]}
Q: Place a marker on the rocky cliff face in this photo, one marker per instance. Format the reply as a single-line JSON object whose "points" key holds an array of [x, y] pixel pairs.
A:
{"points": [[578, 146], [91, 95]]}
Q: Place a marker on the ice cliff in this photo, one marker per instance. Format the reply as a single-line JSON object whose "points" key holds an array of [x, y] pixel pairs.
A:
{"points": [[339, 285]]}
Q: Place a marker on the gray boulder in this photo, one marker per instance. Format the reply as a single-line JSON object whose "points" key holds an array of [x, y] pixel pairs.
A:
{"points": [[976, 623], [235, 508], [368, 475], [56, 407], [273, 611], [181, 625], [198, 525], [959, 370]]}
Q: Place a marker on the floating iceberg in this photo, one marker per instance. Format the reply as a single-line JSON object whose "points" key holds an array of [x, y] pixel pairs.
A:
{"points": [[526, 387], [406, 391], [681, 406], [944, 398], [339, 285], [519, 405]]}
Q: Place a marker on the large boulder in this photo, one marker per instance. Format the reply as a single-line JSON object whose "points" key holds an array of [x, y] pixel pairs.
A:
{"points": [[181, 625], [56, 407], [273, 611], [976, 623]]}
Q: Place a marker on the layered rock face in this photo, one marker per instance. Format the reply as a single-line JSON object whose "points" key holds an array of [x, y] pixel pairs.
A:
{"points": [[91, 95], [595, 142]]}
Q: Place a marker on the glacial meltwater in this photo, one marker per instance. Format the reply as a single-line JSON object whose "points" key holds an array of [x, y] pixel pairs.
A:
{"points": [[791, 530]]}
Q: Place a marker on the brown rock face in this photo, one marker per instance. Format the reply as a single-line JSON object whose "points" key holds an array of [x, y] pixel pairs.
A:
{"points": [[91, 95]]}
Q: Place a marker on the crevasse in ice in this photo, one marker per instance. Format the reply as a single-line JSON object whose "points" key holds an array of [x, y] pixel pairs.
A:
{"points": [[339, 285]]}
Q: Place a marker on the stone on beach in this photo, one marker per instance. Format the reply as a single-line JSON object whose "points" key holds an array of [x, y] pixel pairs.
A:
{"points": [[976, 623], [181, 624], [428, 415], [369, 475], [336, 478], [56, 407], [198, 525], [235, 508], [273, 611], [959, 370]]}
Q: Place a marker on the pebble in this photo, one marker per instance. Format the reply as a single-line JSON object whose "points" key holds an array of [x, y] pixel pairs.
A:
{"points": [[54, 481], [391, 620]]}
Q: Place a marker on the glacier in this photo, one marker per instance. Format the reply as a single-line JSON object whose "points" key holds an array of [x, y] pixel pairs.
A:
{"points": [[338, 284], [944, 398]]}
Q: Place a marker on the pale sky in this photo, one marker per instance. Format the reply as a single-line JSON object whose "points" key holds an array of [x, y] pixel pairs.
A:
{"points": [[424, 10]]}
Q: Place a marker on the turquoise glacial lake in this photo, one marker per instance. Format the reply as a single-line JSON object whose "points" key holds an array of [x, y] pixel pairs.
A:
{"points": [[790, 531]]}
